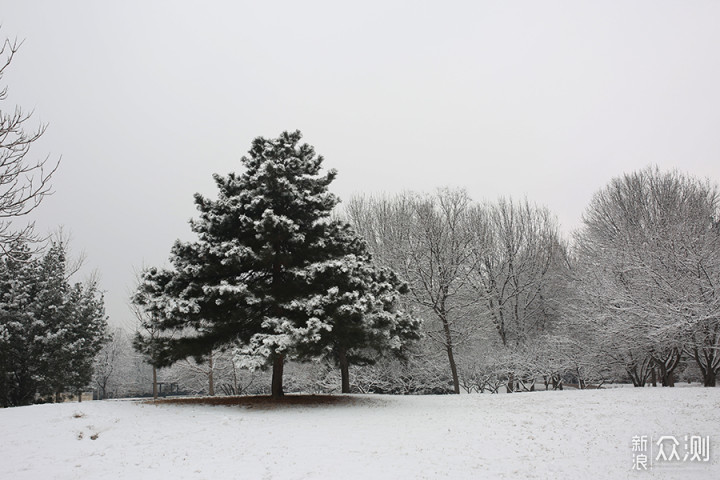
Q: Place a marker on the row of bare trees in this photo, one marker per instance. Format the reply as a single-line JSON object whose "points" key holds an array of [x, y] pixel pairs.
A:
{"points": [[468, 265], [507, 299]]}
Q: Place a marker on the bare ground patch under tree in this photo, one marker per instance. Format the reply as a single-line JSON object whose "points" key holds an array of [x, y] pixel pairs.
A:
{"points": [[265, 401]]}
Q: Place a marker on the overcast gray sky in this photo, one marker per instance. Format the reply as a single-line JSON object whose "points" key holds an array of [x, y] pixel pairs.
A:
{"points": [[545, 99]]}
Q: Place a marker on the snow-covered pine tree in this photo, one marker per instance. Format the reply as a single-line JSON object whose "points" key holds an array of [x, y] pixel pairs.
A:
{"points": [[356, 312], [84, 334], [247, 277], [18, 372], [51, 312], [50, 331]]}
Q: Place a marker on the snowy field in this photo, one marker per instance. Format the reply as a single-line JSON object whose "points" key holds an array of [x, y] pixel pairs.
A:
{"points": [[569, 434]]}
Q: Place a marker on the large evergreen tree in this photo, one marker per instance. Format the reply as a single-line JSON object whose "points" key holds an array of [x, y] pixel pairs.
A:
{"points": [[247, 278]]}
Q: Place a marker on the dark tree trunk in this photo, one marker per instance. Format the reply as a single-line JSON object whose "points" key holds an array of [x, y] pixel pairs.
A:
{"points": [[637, 380], [344, 370], [453, 370], [667, 366], [276, 387], [710, 379], [708, 364], [211, 381], [451, 356], [653, 377], [155, 386], [639, 372], [277, 376]]}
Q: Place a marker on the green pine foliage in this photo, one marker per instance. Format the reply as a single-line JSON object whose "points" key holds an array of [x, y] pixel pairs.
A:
{"points": [[50, 330], [255, 267], [356, 315]]}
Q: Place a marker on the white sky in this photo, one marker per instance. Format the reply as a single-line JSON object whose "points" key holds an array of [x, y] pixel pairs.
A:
{"points": [[544, 99]]}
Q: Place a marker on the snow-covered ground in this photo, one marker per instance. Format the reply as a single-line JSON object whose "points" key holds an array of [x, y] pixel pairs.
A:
{"points": [[569, 434]]}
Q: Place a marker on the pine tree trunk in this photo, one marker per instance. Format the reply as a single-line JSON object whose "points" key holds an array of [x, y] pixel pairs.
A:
{"points": [[155, 389], [277, 376], [211, 383], [344, 370]]}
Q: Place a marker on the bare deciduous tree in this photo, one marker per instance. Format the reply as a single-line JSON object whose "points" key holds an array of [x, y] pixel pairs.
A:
{"points": [[425, 239], [23, 183], [216, 372], [517, 253], [110, 364], [650, 248], [519, 262], [146, 329]]}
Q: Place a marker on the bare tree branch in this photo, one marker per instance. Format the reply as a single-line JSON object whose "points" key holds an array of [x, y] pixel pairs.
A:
{"points": [[23, 182]]}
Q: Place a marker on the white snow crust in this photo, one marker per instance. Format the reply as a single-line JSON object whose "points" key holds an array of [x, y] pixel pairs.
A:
{"points": [[568, 434]]}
